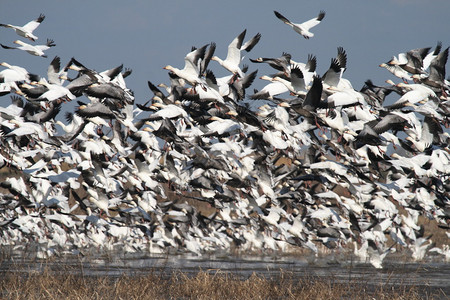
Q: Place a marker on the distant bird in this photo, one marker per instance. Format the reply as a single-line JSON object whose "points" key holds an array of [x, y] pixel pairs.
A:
{"points": [[26, 30], [302, 28], [37, 50]]}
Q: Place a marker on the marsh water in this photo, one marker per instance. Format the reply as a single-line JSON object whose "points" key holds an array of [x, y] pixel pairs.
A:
{"points": [[430, 275]]}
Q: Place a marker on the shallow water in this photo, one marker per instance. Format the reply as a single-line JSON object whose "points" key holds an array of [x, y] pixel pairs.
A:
{"points": [[428, 276]]}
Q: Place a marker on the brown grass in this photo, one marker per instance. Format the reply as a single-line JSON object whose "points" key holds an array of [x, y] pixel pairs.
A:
{"points": [[71, 283]]}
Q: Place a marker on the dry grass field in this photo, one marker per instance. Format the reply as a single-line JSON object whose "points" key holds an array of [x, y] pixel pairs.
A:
{"points": [[72, 283]]}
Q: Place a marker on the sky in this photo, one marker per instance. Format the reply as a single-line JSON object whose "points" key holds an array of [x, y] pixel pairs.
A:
{"points": [[148, 35]]}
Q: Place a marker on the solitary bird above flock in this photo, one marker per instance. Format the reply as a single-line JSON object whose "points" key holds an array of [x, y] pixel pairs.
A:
{"points": [[303, 28]]}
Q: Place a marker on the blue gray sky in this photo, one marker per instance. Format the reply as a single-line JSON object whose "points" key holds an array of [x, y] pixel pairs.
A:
{"points": [[147, 35]]}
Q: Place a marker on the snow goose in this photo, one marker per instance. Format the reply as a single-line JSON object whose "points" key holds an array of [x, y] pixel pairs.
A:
{"points": [[368, 136], [411, 61], [338, 120], [191, 70], [397, 71], [436, 77], [145, 139], [95, 109], [296, 84], [432, 55], [308, 69], [220, 126], [10, 76], [392, 121], [247, 116], [26, 30], [333, 76], [37, 50], [15, 73], [169, 111], [270, 90], [73, 120], [55, 75], [102, 77], [106, 90], [415, 163], [54, 92], [277, 118], [344, 97], [282, 63], [28, 128], [233, 59], [302, 28], [39, 114], [312, 102], [424, 139], [376, 94], [416, 93], [238, 85]]}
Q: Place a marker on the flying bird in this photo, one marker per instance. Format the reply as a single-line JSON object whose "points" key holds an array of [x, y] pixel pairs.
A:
{"points": [[302, 28], [233, 59], [26, 30], [37, 50]]}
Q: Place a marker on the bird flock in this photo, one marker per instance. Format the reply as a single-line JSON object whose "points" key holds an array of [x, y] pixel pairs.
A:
{"points": [[317, 165]]}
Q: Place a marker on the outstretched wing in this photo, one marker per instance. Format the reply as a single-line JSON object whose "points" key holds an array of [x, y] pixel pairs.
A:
{"points": [[32, 25], [282, 18], [313, 22]]}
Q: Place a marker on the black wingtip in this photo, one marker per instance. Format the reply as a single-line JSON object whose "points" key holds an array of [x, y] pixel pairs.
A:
{"points": [[40, 18], [321, 15]]}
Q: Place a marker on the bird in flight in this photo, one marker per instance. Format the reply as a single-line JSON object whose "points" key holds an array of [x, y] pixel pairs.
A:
{"points": [[26, 30], [302, 28]]}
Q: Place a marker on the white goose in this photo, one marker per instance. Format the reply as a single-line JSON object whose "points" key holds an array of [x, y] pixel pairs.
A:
{"points": [[55, 91], [13, 73], [26, 30], [296, 84], [37, 50], [233, 59], [191, 71], [303, 28], [272, 89], [10, 76], [397, 71], [423, 136], [416, 93]]}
